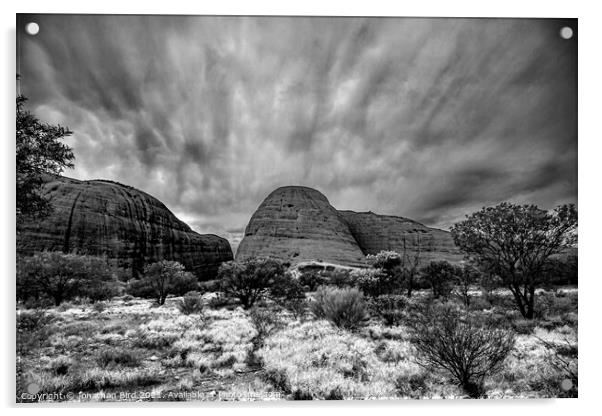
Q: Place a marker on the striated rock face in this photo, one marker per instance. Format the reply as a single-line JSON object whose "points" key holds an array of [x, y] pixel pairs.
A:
{"points": [[106, 218], [374, 233], [298, 224], [295, 224]]}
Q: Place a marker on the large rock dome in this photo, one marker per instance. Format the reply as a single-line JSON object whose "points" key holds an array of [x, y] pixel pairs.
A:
{"points": [[100, 217], [296, 223]]}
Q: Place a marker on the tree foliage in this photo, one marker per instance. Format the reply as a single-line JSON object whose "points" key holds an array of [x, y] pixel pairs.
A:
{"points": [[39, 151], [63, 276], [249, 280], [441, 276], [515, 242], [164, 278]]}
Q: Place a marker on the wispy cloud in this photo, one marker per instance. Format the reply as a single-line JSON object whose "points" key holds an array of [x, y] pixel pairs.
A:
{"points": [[426, 118]]}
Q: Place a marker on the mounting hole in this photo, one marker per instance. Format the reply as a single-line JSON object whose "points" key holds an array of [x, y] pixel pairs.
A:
{"points": [[32, 28], [566, 32]]}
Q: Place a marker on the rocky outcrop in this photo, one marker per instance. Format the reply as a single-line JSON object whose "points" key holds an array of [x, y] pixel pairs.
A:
{"points": [[298, 224], [295, 224], [100, 217], [375, 233]]}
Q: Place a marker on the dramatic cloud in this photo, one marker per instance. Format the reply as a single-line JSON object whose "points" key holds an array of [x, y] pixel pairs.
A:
{"points": [[426, 118]]}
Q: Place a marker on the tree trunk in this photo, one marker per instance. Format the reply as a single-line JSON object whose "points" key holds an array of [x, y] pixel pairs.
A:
{"points": [[531, 303]]}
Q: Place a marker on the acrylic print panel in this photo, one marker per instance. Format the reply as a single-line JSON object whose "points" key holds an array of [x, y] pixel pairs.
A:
{"points": [[257, 208]]}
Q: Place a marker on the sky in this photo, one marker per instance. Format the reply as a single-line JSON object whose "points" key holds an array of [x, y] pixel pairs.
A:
{"points": [[430, 119]]}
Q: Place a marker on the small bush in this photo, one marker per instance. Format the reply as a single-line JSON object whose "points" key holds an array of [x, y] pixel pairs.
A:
{"points": [[112, 357], [301, 394], [60, 366], [191, 303], [391, 308], [375, 282], [466, 347], [35, 320], [279, 379], [412, 385], [312, 280], [265, 322], [340, 278], [99, 307], [346, 308]]}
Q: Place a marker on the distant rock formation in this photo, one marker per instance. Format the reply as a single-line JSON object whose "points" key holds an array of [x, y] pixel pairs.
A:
{"points": [[375, 233], [100, 217], [295, 224], [298, 224]]}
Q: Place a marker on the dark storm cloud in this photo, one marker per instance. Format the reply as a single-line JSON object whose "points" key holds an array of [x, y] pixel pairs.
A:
{"points": [[425, 118]]}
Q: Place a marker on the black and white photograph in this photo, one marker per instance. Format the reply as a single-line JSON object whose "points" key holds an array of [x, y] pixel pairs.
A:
{"points": [[279, 208]]}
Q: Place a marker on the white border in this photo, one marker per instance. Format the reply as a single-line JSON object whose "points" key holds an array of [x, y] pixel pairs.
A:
{"points": [[590, 205]]}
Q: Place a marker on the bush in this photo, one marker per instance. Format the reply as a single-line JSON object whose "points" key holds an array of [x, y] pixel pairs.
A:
{"points": [[113, 357], [249, 280], [412, 386], [339, 278], [265, 322], [466, 347], [162, 279], [63, 277], [312, 280], [285, 287], [345, 308], [441, 276], [99, 307], [374, 282], [391, 308], [279, 379], [191, 303]]}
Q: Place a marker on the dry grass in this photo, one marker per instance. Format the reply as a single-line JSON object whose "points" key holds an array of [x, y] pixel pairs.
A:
{"points": [[158, 353]]}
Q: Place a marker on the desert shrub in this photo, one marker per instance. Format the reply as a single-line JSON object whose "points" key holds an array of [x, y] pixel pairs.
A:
{"points": [[34, 320], [562, 357], [372, 282], [339, 278], [312, 280], [62, 276], [412, 385], [60, 366], [99, 307], [346, 308], [523, 326], [285, 287], [390, 308], [302, 394], [153, 340], [385, 260], [265, 323], [32, 329], [249, 280], [468, 348], [466, 277], [191, 303], [335, 394], [279, 379], [441, 276], [161, 279], [113, 357]]}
